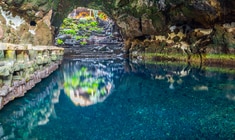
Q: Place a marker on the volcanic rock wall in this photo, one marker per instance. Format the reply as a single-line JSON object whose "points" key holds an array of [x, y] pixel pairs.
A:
{"points": [[190, 27]]}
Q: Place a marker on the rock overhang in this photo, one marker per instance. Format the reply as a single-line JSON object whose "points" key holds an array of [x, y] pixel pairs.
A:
{"points": [[136, 18]]}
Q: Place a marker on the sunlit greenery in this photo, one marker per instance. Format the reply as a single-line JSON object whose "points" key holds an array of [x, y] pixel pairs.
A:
{"points": [[75, 26], [60, 42], [93, 23], [69, 31]]}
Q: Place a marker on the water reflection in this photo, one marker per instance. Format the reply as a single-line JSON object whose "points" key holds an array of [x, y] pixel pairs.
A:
{"points": [[138, 101], [20, 117], [84, 82], [192, 79], [87, 85]]}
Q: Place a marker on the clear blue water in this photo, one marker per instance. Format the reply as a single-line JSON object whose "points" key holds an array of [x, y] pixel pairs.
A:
{"points": [[98, 100]]}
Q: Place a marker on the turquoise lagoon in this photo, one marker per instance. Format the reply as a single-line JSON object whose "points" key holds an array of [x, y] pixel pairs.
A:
{"points": [[115, 99]]}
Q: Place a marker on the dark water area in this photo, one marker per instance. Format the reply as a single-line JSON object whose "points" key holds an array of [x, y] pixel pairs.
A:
{"points": [[114, 99]]}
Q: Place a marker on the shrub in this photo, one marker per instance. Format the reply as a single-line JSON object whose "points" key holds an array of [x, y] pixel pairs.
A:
{"points": [[69, 31], [93, 23], [67, 21], [60, 42]]}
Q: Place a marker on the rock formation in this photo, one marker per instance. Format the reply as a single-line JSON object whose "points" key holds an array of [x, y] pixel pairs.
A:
{"points": [[203, 26]]}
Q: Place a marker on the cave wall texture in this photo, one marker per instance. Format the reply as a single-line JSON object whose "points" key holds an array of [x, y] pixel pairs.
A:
{"points": [[188, 25]]}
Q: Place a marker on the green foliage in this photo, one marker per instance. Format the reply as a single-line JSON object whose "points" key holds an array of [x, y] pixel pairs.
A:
{"points": [[69, 31], [67, 21], [60, 42], [80, 37], [93, 23], [73, 26], [97, 29], [81, 26], [102, 16], [83, 42]]}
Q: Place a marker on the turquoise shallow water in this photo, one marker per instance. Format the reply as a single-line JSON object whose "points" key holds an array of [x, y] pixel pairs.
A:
{"points": [[113, 99]]}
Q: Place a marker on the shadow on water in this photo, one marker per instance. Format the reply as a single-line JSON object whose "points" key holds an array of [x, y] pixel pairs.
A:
{"points": [[114, 99]]}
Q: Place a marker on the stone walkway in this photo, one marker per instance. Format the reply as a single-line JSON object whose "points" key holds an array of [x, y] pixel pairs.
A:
{"points": [[23, 66]]}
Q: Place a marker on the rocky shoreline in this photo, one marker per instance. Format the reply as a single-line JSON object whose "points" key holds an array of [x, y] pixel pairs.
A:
{"points": [[206, 60], [202, 46]]}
